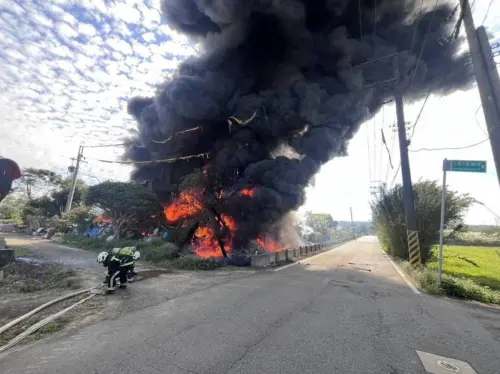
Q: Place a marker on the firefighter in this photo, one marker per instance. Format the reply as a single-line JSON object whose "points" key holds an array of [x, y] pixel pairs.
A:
{"points": [[120, 263]]}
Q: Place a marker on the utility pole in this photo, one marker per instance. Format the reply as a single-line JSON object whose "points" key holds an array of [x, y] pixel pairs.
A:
{"points": [[410, 218], [487, 80], [69, 202]]}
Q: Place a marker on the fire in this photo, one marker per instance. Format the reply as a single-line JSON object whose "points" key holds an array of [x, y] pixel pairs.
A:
{"points": [[230, 223], [205, 242], [185, 206], [269, 244], [250, 192]]}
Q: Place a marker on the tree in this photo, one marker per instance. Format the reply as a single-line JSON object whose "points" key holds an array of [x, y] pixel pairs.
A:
{"points": [[322, 225], [389, 218], [11, 208], [124, 203], [60, 195], [79, 218], [37, 182]]}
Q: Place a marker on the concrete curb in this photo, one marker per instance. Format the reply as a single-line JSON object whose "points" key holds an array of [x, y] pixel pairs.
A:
{"points": [[290, 255]]}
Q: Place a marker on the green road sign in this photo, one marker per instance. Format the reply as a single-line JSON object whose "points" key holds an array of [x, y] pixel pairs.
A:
{"points": [[466, 166]]}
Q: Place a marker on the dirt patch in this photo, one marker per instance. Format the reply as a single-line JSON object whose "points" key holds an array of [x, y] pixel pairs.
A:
{"points": [[28, 274]]}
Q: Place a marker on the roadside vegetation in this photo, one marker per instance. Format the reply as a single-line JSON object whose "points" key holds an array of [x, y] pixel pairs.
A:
{"points": [[470, 271], [157, 251]]}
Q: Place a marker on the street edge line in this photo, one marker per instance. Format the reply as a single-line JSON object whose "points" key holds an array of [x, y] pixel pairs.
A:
{"points": [[309, 258], [402, 274]]}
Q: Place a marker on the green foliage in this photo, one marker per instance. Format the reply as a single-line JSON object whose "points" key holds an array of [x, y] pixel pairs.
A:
{"points": [[465, 288], [11, 208], [59, 196], [37, 182], [389, 218], [323, 226], [480, 264], [79, 218], [124, 203], [161, 253]]}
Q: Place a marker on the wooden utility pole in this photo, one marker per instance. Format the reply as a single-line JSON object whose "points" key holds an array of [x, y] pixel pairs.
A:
{"points": [[69, 202], [488, 82], [410, 216]]}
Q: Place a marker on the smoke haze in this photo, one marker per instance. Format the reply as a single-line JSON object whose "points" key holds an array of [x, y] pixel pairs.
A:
{"points": [[299, 67]]}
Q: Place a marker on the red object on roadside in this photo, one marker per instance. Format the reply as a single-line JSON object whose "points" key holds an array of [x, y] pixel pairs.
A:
{"points": [[9, 172]]}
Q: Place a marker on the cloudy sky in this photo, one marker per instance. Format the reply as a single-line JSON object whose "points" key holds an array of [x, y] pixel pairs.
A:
{"points": [[67, 68]]}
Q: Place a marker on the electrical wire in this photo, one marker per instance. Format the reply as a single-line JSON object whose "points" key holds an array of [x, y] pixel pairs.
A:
{"points": [[395, 174], [484, 205], [487, 11], [198, 128], [477, 121], [152, 162], [448, 148]]}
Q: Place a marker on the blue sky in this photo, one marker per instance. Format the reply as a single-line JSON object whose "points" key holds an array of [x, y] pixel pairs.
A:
{"points": [[67, 68]]}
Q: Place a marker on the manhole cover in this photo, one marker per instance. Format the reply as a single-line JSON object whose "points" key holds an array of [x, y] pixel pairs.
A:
{"points": [[448, 366]]}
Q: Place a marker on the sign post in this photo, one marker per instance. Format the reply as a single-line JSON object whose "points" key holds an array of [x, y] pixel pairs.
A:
{"points": [[459, 166]]}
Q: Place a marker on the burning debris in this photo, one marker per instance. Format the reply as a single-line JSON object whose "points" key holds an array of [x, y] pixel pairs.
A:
{"points": [[289, 77]]}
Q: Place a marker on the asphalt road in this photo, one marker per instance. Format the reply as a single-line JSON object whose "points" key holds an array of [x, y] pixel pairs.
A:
{"points": [[346, 311]]}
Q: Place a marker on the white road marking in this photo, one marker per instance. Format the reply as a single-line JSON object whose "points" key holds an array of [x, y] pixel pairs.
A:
{"points": [[310, 258], [402, 274]]}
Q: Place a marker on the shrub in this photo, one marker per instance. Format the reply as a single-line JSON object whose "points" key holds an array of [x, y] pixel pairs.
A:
{"points": [[157, 254], [427, 279], [389, 217]]}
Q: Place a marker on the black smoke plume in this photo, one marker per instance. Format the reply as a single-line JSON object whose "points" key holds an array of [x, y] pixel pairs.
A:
{"points": [[302, 70]]}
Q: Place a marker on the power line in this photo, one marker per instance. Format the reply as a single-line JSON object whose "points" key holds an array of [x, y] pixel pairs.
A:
{"points": [[395, 174], [198, 128], [449, 148], [477, 122], [487, 11], [152, 162]]}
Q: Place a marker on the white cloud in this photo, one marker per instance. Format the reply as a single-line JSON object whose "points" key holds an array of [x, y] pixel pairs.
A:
{"points": [[126, 12], [65, 30], [87, 29], [149, 37]]}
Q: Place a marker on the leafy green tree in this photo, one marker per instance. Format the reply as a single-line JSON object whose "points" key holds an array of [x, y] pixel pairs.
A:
{"points": [[322, 225], [124, 203], [11, 208], [389, 218], [79, 218], [60, 195], [37, 182]]}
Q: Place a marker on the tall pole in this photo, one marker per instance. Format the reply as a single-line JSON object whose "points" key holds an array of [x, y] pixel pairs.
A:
{"points": [[69, 202], [352, 222], [485, 79], [441, 225], [411, 221]]}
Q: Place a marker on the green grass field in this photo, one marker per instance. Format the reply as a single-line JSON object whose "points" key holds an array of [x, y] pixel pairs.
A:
{"points": [[479, 264]]}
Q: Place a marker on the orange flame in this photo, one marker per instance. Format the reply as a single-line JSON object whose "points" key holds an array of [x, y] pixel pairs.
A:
{"points": [[186, 205], [205, 242], [250, 192], [269, 244]]}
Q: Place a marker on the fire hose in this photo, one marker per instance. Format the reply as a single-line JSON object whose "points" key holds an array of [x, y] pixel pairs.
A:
{"points": [[46, 320], [42, 323]]}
